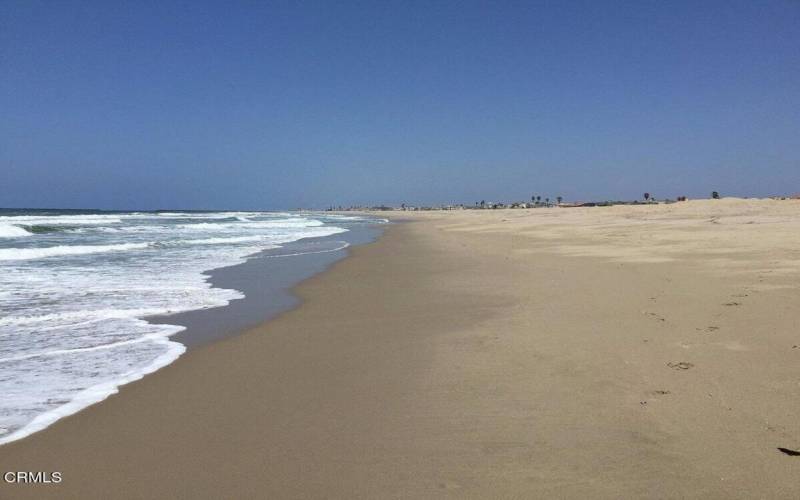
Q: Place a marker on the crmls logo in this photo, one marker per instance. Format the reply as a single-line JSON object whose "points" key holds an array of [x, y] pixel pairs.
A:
{"points": [[23, 477]]}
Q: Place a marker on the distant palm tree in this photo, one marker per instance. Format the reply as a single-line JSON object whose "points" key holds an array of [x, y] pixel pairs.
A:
{"points": [[646, 196], [558, 199], [538, 199], [547, 202]]}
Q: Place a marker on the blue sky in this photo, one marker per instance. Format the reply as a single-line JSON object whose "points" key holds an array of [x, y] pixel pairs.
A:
{"points": [[248, 105]]}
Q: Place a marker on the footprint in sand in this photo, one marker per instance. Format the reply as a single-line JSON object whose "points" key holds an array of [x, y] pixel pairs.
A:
{"points": [[654, 315], [732, 304], [680, 365], [658, 392]]}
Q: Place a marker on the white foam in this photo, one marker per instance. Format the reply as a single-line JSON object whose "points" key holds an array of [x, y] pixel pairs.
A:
{"points": [[97, 393], [11, 231], [59, 251], [208, 215], [62, 352], [224, 241], [287, 223], [250, 225], [71, 329], [61, 220], [81, 316], [353, 218]]}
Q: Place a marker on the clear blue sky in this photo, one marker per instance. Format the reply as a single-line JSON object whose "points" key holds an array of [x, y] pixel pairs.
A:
{"points": [[137, 105]]}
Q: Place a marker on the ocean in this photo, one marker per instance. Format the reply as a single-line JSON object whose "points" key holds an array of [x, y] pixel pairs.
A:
{"points": [[76, 288]]}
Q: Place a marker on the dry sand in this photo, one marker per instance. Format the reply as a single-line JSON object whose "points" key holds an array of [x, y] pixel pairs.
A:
{"points": [[645, 351]]}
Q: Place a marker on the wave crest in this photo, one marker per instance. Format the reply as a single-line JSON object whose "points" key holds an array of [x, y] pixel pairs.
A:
{"points": [[40, 253], [11, 231]]}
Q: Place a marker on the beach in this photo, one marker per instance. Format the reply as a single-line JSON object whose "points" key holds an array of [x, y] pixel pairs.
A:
{"points": [[625, 351]]}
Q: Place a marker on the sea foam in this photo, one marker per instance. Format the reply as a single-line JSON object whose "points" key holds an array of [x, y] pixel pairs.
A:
{"points": [[11, 231], [72, 300], [60, 251]]}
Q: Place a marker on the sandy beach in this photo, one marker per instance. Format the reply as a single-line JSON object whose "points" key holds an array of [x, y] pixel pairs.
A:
{"points": [[626, 351]]}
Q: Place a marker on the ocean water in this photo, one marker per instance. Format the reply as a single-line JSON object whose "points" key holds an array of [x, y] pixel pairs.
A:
{"points": [[75, 287]]}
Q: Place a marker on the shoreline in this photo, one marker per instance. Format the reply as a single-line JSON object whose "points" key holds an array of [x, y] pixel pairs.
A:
{"points": [[262, 301], [618, 354], [267, 298]]}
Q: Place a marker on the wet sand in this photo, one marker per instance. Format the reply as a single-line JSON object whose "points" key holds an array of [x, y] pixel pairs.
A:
{"points": [[605, 352], [266, 280]]}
